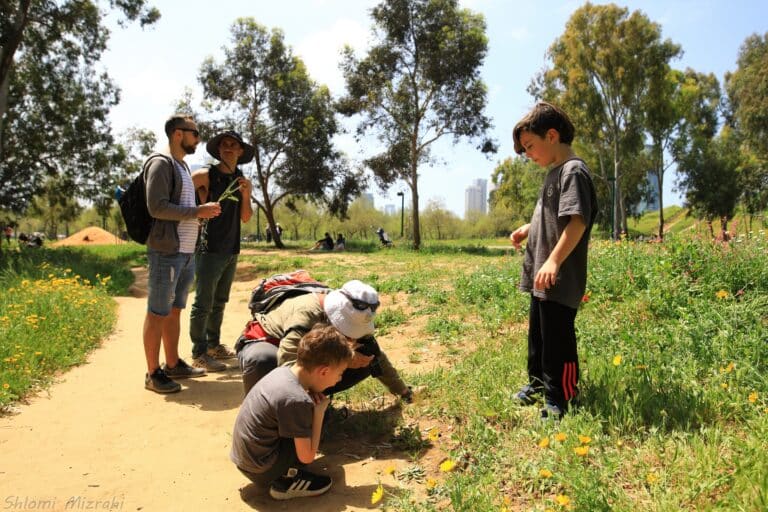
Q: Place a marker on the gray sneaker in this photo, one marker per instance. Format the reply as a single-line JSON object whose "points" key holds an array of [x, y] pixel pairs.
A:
{"points": [[208, 363], [182, 370], [221, 351], [160, 383]]}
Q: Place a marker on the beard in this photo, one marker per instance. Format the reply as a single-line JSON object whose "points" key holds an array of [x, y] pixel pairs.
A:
{"points": [[189, 148]]}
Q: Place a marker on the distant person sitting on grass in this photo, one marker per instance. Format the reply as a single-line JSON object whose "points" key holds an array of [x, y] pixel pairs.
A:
{"points": [[278, 428], [325, 244], [341, 243]]}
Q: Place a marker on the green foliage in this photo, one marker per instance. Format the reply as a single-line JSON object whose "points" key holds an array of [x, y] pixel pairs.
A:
{"points": [[53, 102], [267, 94], [518, 182], [55, 307], [748, 92], [425, 61], [602, 70]]}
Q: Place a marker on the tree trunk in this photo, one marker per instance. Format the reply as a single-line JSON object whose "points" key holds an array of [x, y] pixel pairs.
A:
{"points": [[414, 183], [616, 188], [660, 178], [11, 43]]}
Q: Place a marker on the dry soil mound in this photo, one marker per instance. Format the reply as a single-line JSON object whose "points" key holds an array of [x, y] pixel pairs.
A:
{"points": [[90, 236]]}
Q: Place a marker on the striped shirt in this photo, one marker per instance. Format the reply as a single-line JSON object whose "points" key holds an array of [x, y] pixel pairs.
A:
{"points": [[187, 229]]}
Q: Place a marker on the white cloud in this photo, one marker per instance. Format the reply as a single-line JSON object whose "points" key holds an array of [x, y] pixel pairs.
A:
{"points": [[321, 51]]}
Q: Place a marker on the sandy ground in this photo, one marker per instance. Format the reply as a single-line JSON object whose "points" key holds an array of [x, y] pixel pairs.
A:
{"points": [[97, 440]]}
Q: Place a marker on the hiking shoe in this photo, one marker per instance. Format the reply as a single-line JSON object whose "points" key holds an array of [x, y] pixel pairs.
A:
{"points": [[182, 370], [527, 395], [160, 383], [551, 411], [206, 362], [221, 351], [298, 483]]}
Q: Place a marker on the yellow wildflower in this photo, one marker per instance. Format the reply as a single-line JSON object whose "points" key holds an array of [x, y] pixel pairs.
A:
{"points": [[651, 478], [563, 500], [724, 385], [545, 473], [729, 368], [616, 360], [447, 465], [431, 483], [581, 451], [390, 470], [753, 397], [585, 439], [433, 434], [544, 442], [377, 495], [721, 294], [6, 385], [560, 436]]}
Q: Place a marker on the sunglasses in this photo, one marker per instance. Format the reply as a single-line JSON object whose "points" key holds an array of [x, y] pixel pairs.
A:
{"points": [[360, 305], [194, 132]]}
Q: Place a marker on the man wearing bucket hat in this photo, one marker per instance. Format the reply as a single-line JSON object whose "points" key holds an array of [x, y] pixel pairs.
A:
{"points": [[350, 309], [219, 245]]}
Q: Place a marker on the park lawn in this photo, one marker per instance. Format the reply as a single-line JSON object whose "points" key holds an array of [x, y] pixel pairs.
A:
{"points": [[672, 413]]}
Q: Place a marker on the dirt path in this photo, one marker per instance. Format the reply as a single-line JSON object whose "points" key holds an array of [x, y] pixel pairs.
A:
{"points": [[97, 440]]}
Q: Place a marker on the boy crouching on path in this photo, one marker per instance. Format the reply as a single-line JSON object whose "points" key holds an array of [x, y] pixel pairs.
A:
{"points": [[277, 430], [555, 265]]}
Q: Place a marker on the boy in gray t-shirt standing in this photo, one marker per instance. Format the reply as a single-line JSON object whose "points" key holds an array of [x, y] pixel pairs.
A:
{"points": [[555, 265], [278, 428]]}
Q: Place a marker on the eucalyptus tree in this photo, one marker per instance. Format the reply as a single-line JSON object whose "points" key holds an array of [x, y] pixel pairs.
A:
{"points": [[264, 91], [747, 89], [419, 82], [711, 178], [53, 102], [601, 71], [681, 107]]}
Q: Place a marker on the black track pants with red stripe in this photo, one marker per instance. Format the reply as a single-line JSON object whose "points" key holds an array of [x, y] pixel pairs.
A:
{"points": [[553, 362]]}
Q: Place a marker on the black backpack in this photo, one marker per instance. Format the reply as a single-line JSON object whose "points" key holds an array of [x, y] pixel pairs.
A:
{"points": [[133, 203]]}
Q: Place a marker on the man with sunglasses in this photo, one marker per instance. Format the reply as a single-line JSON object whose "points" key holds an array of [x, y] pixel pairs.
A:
{"points": [[170, 252], [350, 309]]}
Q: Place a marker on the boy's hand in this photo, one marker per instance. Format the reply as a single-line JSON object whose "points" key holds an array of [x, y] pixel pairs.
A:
{"points": [[321, 402], [546, 277], [519, 235]]}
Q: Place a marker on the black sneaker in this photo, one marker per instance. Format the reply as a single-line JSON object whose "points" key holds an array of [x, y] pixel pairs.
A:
{"points": [[527, 395], [160, 383], [552, 411], [298, 483], [182, 370]]}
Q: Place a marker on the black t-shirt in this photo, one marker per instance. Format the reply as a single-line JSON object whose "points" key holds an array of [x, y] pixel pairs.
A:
{"points": [[223, 232]]}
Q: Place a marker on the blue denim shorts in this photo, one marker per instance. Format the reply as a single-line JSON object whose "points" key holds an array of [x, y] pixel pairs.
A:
{"points": [[170, 277]]}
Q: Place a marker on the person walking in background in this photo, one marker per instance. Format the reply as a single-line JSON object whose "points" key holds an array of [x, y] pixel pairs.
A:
{"points": [[219, 246], [277, 431], [555, 264], [170, 252]]}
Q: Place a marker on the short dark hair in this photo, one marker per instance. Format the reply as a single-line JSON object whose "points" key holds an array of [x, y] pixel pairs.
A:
{"points": [[175, 121], [543, 117], [324, 345]]}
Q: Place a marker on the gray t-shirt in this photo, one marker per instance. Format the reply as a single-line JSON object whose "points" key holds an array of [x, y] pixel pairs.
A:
{"points": [[276, 407], [568, 190]]}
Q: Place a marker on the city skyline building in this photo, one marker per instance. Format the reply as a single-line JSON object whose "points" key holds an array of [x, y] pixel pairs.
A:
{"points": [[476, 197]]}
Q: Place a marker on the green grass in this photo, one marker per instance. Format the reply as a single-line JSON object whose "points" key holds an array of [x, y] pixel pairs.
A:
{"points": [[55, 307], [673, 412]]}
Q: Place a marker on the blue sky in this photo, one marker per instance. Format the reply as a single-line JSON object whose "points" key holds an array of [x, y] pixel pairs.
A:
{"points": [[153, 66]]}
